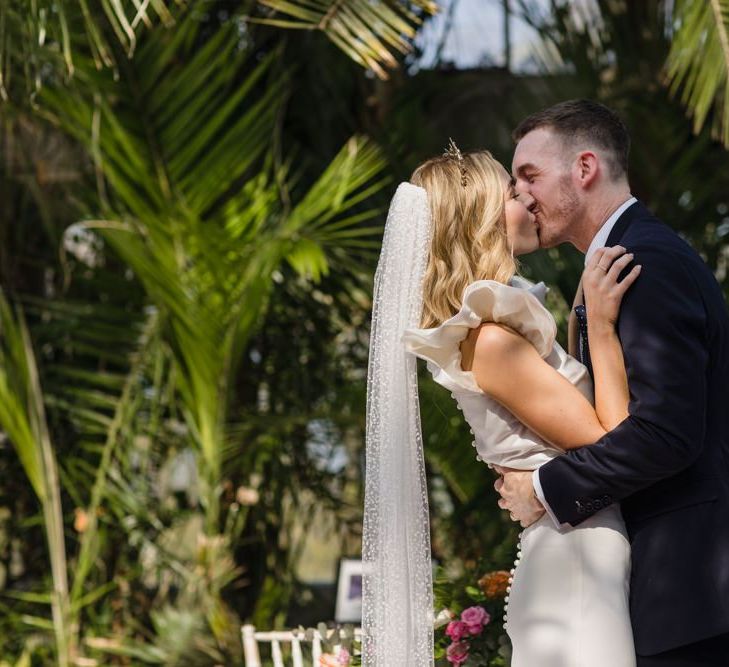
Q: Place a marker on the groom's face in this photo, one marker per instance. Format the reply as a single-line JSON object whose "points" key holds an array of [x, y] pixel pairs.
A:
{"points": [[542, 168]]}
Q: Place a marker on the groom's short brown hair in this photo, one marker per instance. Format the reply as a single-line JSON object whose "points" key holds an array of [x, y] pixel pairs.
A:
{"points": [[579, 120]]}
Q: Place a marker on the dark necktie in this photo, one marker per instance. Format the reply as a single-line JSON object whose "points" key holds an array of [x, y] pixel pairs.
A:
{"points": [[584, 345]]}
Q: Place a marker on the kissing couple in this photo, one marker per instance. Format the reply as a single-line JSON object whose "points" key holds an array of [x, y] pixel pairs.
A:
{"points": [[613, 456]]}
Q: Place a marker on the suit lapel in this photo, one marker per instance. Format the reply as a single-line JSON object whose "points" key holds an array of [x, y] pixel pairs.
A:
{"points": [[630, 214]]}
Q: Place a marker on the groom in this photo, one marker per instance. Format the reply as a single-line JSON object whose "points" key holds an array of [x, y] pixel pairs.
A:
{"points": [[668, 462]]}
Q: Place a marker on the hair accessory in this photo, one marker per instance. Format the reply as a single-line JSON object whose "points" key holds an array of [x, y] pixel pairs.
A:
{"points": [[454, 153]]}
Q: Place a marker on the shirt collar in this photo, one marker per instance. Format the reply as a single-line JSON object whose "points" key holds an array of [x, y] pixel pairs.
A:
{"points": [[600, 239]]}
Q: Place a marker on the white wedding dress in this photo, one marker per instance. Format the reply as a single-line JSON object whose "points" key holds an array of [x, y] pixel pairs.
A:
{"points": [[568, 600]]}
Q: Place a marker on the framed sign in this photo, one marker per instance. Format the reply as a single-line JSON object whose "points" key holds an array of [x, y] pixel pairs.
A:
{"points": [[349, 591]]}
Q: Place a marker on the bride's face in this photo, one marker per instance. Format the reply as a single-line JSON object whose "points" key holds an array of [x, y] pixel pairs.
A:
{"points": [[521, 225]]}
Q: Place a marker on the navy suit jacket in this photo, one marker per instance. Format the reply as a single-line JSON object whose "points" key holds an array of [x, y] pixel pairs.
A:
{"points": [[668, 462]]}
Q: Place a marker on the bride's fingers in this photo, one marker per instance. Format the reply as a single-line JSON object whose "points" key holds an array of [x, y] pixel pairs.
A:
{"points": [[618, 265], [626, 282], [602, 260], [596, 257], [502, 504]]}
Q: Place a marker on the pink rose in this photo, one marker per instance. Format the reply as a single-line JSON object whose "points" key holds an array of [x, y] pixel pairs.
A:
{"points": [[456, 630], [341, 659], [475, 618], [457, 653]]}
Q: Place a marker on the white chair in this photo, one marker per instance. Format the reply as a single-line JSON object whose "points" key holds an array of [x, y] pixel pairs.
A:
{"points": [[252, 638]]}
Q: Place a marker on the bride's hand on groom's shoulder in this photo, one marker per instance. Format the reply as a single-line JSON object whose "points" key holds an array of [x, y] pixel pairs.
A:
{"points": [[517, 495], [602, 288]]}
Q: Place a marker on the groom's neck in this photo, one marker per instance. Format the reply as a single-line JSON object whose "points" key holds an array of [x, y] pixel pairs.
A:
{"points": [[597, 211]]}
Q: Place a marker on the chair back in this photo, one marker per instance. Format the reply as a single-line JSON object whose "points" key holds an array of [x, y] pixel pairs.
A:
{"points": [[296, 638]]}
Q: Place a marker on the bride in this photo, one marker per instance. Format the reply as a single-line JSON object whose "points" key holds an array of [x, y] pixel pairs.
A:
{"points": [[447, 291]]}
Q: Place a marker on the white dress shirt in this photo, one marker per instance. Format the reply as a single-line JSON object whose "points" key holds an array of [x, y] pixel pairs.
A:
{"points": [[598, 241]]}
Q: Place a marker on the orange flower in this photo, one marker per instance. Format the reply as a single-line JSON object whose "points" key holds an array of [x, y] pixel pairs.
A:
{"points": [[493, 584], [80, 520]]}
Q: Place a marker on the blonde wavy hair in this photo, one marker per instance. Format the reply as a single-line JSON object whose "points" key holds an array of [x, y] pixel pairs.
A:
{"points": [[469, 230]]}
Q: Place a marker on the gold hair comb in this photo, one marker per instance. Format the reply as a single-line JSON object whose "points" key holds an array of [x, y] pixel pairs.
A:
{"points": [[454, 153]]}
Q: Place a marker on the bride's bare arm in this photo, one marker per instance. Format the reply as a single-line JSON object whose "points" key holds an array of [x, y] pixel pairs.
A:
{"points": [[508, 368]]}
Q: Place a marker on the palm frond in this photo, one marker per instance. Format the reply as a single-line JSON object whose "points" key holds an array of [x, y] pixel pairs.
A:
{"points": [[698, 62], [330, 214], [22, 417], [36, 34], [368, 32], [124, 404], [178, 139]]}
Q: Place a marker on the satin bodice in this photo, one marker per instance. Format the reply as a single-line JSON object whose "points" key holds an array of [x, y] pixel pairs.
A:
{"points": [[499, 437]]}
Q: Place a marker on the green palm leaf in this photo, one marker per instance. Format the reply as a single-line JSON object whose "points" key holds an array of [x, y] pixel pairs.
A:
{"points": [[698, 62], [22, 417], [178, 139], [367, 31], [32, 34]]}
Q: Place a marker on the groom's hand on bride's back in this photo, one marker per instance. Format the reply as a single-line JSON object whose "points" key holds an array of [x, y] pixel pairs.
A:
{"points": [[517, 495]]}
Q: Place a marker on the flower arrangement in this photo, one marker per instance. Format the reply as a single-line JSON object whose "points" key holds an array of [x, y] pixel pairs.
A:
{"points": [[468, 626], [473, 621], [469, 632]]}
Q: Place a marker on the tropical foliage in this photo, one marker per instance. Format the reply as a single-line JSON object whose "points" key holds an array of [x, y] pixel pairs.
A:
{"points": [[192, 200], [368, 32], [36, 34], [183, 203], [698, 62]]}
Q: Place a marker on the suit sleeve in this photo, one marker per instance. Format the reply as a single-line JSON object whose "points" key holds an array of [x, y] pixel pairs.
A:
{"points": [[662, 328]]}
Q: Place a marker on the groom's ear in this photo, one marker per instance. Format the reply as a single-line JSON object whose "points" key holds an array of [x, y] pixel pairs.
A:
{"points": [[586, 168]]}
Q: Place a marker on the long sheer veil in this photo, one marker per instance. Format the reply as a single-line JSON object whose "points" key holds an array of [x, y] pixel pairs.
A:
{"points": [[397, 608]]}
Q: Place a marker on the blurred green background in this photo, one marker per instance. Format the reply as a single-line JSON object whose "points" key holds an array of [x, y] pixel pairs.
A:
{"points": [[192, 196]]}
